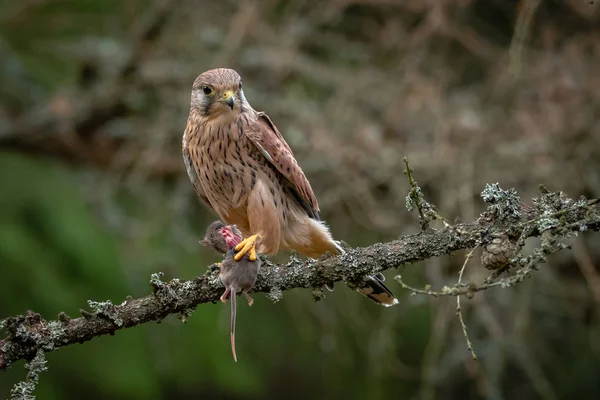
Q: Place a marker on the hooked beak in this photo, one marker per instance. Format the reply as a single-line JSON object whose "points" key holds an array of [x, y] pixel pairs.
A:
{"points": [[229, 98]]}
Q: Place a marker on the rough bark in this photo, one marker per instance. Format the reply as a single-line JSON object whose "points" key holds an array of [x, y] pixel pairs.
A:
{"points": [[553, 216]]}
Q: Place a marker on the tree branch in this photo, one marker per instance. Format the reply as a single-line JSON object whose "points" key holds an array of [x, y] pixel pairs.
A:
{"points": [[67, 126], [552, 216]]}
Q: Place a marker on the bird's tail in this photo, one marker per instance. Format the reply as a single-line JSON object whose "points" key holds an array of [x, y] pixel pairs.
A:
{"points": [[233, 309], [373, 288]]}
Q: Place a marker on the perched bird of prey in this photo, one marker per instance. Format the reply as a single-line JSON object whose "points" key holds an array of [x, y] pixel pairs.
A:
{"points": [[242, 168]]}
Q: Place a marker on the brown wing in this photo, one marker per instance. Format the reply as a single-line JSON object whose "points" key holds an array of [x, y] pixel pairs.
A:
{"points": [[273, 146]]}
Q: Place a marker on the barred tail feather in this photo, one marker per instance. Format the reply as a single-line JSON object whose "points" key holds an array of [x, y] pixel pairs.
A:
{"points": [[374, 289], [372, 286]]}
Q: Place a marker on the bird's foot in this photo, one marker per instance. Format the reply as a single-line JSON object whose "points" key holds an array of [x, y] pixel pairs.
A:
{"points": [[250, 299], [245, 246]]}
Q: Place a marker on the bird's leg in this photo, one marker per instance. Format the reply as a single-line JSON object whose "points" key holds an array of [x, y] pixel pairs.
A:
{"points": [[245, 246], [250, 299], [225, 294]]}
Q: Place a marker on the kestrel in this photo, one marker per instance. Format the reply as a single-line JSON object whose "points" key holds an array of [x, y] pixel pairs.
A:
{"points": [[242, 168]]}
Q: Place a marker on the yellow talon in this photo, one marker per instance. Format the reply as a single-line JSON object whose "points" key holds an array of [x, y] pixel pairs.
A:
{"points": [[246, 245]]}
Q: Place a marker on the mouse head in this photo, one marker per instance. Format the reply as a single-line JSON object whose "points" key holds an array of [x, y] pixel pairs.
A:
{"points": [[231, 235], [221, 237]]}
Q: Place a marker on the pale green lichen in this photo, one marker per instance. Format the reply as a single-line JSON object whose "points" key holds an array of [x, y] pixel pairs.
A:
{"points": [[318, 294], [108, 310], [185, 314], [582, 202], [275, 294], [214, 280], [24, 390], [162, 290], [188, 286], [58, 334], [411, 198], [24, 334], [294, 259], [503, 203], [416, 200], [547, 221], [447, 290], [155, 280]]}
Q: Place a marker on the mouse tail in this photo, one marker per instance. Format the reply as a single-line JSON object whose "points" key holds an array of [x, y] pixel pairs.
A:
{"points": [[233, 308]]}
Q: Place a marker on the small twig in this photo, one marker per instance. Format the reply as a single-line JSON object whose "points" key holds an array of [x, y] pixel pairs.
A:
{"points": [[459, 310], [466, 289], [24, 390], [522, 28], [458, 290], [587, 268], [415, 195], [416, 199]]}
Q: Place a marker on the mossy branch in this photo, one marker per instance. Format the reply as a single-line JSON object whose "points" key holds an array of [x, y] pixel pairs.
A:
{"points": [[552, 216]]}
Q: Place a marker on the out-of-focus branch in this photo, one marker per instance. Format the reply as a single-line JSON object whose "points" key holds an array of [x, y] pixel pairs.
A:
{"points": [[66, 127], [527, 11], [553, 216]]}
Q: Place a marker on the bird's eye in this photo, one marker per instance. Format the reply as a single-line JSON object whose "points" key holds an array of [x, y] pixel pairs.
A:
{"points": [[240, 86], [207, 90]]}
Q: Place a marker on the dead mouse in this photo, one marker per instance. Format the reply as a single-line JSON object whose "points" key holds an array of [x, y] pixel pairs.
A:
{"points": [[237, 276], [220, 240]]}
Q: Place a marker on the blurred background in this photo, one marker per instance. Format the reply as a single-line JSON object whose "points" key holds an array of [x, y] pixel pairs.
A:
{"points": [[94, 196]]}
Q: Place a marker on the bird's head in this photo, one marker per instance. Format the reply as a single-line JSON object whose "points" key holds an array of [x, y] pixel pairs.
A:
{"points": [[218, 92]]}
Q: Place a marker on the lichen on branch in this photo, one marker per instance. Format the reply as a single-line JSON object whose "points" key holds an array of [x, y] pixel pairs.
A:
{"points": [[553, 216]]}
